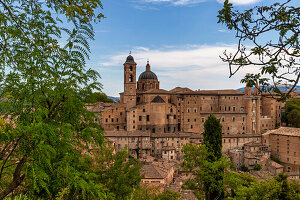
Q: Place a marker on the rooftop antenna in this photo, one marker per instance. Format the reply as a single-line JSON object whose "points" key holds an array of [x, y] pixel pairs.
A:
{"points": [[147, 60]]}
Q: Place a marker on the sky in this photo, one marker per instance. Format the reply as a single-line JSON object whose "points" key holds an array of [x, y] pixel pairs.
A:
{"points": [[181, 39]]}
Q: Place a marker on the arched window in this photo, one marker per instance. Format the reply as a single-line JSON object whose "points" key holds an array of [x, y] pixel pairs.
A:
{"points": [[130, 68], [151, 86], [130, 78]]}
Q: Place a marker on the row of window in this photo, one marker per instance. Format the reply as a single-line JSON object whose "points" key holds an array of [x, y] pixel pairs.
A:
{"points": [[214, 97], [221, 108]]}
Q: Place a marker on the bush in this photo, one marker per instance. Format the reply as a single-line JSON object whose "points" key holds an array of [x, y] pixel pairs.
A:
{"points": [[275, 159], [257, 167], [244, 168]]}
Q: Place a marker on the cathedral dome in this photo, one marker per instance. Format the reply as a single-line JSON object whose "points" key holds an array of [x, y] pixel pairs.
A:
{"points": [[148, 74], [130, 59]]}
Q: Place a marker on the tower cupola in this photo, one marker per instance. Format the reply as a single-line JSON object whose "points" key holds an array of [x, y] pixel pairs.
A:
{"points": [[148, 79]]}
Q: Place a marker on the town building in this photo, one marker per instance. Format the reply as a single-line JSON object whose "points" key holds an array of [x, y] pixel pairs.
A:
{"points": [[148, 120], [285, 146]]}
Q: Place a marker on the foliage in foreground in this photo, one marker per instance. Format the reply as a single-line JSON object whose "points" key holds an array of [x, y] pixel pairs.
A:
{"points": [[152, 193], [119, 172], [237, 186], [207, 181], [277, 59], [48, 140]]}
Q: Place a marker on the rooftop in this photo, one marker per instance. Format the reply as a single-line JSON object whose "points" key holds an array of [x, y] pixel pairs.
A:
{"points": [[286, 131], [151, 172]]}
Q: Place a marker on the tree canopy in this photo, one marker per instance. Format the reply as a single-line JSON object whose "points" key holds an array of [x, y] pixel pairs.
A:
{"points": [[98, 97], [212, 137], [291, 116], [278, 59], [48, 140]]}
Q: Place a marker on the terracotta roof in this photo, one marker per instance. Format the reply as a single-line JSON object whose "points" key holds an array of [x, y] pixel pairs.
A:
{"points": [[220, 92], [150, 172], [156, 91], [126, 134], [164, 165], [253, 143], [275, 164], [286, 131], [170, 135], [180, 90]]}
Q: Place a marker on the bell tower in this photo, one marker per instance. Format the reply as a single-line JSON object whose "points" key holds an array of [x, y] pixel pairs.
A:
{"points": [[130, 82]]}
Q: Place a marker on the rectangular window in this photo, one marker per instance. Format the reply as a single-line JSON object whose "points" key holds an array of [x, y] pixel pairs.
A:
{"points": [[148, 118], [140, 118]]}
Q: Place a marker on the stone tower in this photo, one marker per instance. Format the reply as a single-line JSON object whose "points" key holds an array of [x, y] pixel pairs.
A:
{"points": [[130, 82]]}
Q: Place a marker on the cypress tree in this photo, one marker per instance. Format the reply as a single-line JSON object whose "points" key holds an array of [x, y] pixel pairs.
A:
{"points": [[213, 184], [213, 137]]}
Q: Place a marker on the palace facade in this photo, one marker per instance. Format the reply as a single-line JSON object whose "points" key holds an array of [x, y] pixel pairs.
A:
{"points": [[148, 119]]}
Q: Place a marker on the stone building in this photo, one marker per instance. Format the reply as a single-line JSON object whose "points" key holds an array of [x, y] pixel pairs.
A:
{"points": [[170, 118], [158, 173], [256, 153], [285, 145]]}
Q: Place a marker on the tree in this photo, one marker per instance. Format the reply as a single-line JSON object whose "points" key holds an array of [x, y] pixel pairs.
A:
{"points": [[119, 172], [244, 168], [278, 60], [212, 136], [46, 142], [244, 186], [206, 162], [207, 181], [98, 97], [291, 116], [168, 195], [257, 167]]}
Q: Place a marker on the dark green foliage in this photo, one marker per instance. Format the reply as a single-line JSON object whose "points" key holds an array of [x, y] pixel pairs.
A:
{"points": [[277, 58], [244, 168], [206, 162], [168, 195], [291, 116], [213, 137], [153, 193], [47, 146], [243, 186], [98, 97], [118, 172], [257, 167], [208, 176], [275, 159]]}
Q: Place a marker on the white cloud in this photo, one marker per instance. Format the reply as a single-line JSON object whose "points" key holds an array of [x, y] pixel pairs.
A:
{"points": [[193, 66], [241, 2], [222, 30]]}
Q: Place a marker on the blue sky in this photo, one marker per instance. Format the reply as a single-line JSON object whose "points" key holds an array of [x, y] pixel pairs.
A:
{"points": [[181, 39]]}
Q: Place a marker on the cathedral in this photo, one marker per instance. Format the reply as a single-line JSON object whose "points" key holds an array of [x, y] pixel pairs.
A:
{"points": [[155, 119]]}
